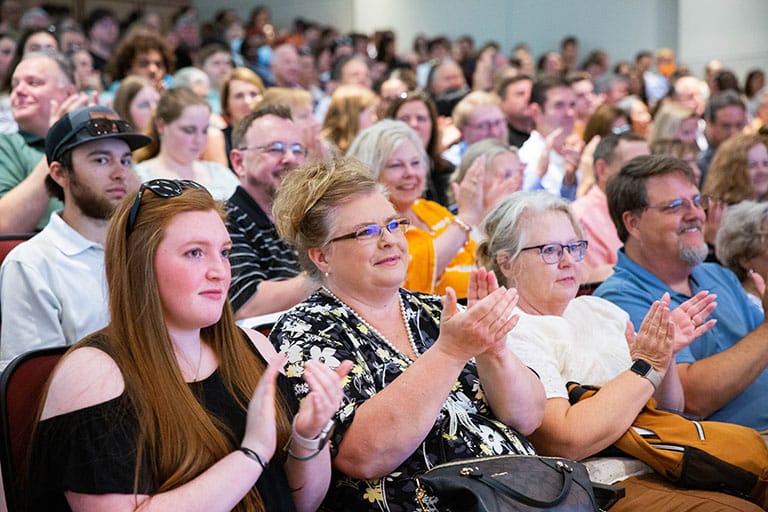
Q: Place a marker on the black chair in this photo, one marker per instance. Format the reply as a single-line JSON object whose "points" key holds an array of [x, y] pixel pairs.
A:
{"points": [[21, 386]]}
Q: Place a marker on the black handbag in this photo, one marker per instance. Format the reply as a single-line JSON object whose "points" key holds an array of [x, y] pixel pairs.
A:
{"points": [[508, 483]]}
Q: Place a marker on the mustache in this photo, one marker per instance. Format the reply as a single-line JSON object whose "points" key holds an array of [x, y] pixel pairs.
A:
{"points": [[688, 225]]}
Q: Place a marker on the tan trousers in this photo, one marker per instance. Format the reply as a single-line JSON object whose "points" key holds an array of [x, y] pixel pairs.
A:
{"points": [[654, 494]]}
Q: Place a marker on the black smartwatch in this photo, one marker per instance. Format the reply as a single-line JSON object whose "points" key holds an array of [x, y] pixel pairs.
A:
{"points": [[644, 369]]}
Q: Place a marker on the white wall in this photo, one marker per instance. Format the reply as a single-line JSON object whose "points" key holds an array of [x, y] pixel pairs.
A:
{"points": [[338, 13], [733, 32], [619, 26], [698, 30]]}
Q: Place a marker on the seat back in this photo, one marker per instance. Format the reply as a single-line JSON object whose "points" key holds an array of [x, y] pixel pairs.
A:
{"points": [[21, 386], [8, 242], [588, 288]]}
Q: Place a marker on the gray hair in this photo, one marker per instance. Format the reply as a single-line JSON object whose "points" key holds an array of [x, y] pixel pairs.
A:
{"points": [[506, 228], [375, 145], [187, 77], [67, 72], [743, 234], [489, 148]]}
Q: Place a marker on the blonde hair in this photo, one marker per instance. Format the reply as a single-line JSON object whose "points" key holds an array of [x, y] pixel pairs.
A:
{"points": [[307, 200], [342, 121], [464, 108], [505, 228], [176, 440], [292, 98], [667, 120], [728, 177]]}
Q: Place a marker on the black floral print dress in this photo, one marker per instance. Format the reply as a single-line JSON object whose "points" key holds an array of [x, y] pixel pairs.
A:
{"points": [[324, 329]]}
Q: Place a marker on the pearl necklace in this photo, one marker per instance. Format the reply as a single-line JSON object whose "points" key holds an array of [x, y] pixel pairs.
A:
{"points": [[376, 331]]}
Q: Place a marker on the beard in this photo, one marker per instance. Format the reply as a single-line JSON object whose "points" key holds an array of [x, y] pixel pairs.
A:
{"points": [[268, 185], [91, 204], [693, 255]]}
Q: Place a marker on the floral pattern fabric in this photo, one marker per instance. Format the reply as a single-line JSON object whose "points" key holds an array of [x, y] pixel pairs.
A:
{"points": [[323, 329]]}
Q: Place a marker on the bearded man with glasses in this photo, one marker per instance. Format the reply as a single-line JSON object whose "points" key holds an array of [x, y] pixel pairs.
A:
{"points": [[265, 271], [660, 214]]}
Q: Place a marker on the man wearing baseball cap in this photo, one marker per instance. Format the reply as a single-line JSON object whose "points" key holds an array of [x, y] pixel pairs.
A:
{"points": [[52, 287]]}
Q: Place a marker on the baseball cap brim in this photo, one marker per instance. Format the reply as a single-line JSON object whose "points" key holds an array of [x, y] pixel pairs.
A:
{"points": [[76, 128]]}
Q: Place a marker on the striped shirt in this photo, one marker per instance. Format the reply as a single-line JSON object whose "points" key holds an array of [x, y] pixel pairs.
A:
{"points": [[258, 253]]}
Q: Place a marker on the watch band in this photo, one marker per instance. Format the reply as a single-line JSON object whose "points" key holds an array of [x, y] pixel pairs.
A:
{"points": [[645, 369], [312, 444]]}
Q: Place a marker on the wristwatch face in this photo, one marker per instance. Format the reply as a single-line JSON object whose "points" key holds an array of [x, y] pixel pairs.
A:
{"points": [[641, 367], [324, 435]]}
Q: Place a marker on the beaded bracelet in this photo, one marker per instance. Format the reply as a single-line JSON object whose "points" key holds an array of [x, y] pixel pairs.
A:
{"points": [[254, 456], [464, 226]]}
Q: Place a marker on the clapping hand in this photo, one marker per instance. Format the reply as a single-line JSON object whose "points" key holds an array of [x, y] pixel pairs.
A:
{"points": [[690, 318], [654, 341], [484, 325], [69, 104], [501, 187], [469, 193], [571, 153], [552, 141], [324, 398], [260, 429]]}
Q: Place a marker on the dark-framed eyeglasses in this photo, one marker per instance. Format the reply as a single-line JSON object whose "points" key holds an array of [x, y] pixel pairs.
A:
{"points": [[278, 149], [676, 205], [551, 253], [375, 230], [160, 187]]}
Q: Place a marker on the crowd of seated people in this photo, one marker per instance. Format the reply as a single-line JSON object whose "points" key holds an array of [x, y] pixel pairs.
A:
{"points": [[328, 177]]}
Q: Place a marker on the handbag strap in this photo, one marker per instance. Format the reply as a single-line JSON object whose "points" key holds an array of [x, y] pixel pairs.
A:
{"points": [[565, 470]]}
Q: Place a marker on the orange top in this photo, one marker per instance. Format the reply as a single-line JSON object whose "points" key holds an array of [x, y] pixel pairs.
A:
{"points": [[421, 247]]}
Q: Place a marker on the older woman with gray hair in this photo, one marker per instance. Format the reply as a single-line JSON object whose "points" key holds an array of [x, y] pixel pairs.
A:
{"points": [[742, 246], [502, 171], [440, 243], [533, 242]]}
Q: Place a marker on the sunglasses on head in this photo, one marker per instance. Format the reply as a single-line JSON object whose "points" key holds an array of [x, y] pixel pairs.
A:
{"points": [[103, 126], [162, 188], [96, 128]]}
